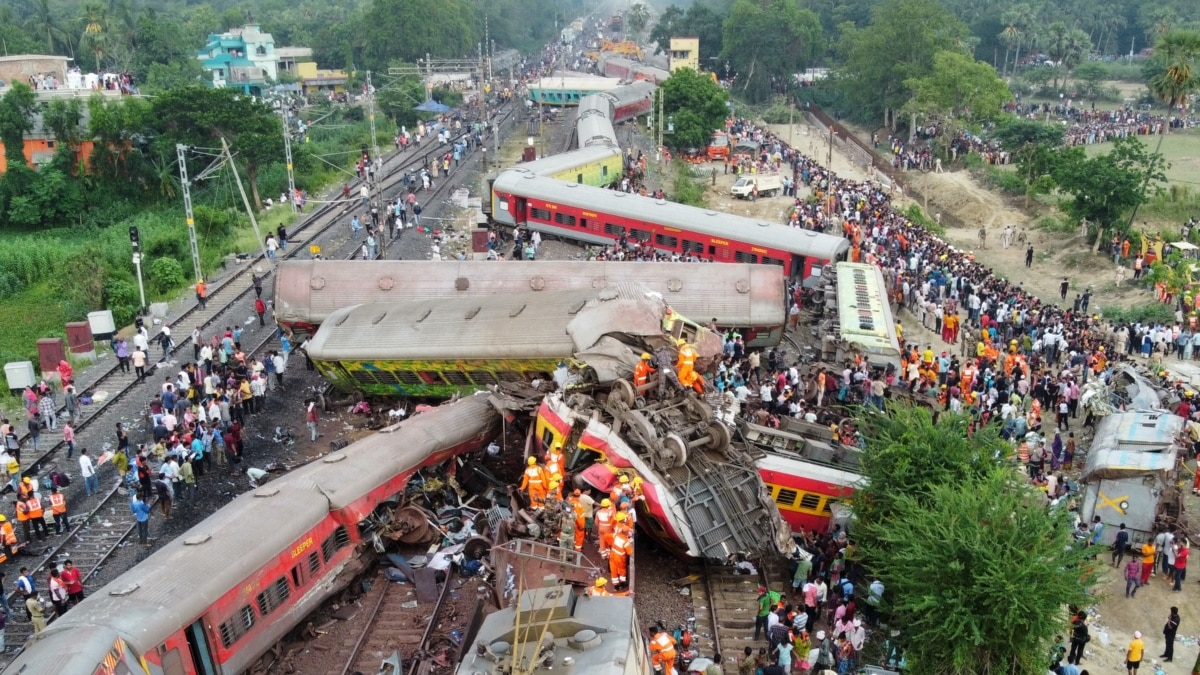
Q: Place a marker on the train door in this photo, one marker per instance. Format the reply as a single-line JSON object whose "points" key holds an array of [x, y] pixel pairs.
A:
{"points": [[796, 270], [198, 645], [519, 215]]}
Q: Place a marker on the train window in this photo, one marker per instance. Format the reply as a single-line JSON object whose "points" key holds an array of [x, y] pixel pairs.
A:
{"points": [[431, 377], [718, 252], [539, 214], [314, 564], [810, 501], [579, 178], [273, 596], [510, 376], [693, 247], [614, 230], [640, 235], [785, 497], [334, 543], [236, 626], [363, 376], [827, 506], [603, 169], [766, 260], [743, 257], [406, 377], [483, 377], [247, 617], [564, 219], [666, 240], [457, 377], [548, 437]]}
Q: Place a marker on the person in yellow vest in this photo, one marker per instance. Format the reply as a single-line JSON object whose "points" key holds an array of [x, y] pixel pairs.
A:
{"points": [[598, 588], [630, 519], [555, 490], [604, 524], [686, 367], [642, 371], [58, 507], [662, 651], [535, 483]]}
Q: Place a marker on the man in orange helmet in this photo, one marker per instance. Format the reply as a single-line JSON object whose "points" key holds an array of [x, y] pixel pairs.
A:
{"points": [[535, 482], [580, 519], [642, 372]]}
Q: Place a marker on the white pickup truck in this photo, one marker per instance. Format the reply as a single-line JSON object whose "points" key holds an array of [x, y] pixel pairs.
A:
{"points": [[769, 185]]}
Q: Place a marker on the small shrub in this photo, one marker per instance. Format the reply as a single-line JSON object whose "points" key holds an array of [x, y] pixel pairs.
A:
{"points": [[1056, 226], [1153, 312], [166, 274], [688, 190], [918, 217], [121, 296]]}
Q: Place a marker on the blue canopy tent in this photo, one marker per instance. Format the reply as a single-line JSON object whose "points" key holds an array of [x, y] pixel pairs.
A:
{"points": [[432, 106]]}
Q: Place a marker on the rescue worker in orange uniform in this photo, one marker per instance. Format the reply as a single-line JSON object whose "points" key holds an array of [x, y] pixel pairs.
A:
{"points": [[535, 483], [630, 519], [580, 520], [58, 506], [662, 651], [618, 556], [556, 459], [686, 367], [32, 508], [642, 372], [604, 525], [599, 587], [8, 536], [553, 473], [555, 490], [25, 488]]}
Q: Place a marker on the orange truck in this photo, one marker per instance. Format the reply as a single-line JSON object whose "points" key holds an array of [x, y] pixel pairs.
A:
{"points": [[718, 147]]}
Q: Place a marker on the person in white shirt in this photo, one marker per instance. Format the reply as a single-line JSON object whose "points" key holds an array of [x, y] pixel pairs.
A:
{"points": [[280, 366], [91, 484]]}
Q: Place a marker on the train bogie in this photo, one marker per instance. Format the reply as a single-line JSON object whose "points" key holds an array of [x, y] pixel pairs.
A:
{"points": [[219, 596]]}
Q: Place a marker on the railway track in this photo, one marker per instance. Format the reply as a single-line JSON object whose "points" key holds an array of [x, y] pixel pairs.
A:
{"points": [[92, 540], [98, 533], [725, 604]]}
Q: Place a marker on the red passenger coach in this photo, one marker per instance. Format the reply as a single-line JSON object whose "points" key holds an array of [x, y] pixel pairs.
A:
{"points": [[599, 216]]}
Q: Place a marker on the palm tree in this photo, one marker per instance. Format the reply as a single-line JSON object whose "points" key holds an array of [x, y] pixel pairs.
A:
{"points": [[638, 17], [1077, 47], [1177, 59], [1022, 20], [44, 22], [1058, 42], [93, 16]]}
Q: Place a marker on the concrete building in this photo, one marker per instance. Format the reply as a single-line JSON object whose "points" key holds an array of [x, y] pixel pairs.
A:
{"points": [[40, 144], [685, 53], [244, 58], [314, 81], [22, 68], [290, 59]]}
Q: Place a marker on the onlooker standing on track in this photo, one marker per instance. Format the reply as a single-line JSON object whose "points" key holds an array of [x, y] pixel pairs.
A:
{"points": [[202, 293], [122, 350], [141, 511], [58, 593], [91, 482], [74, 582], [280, 366], [35, 433], [311, 418], [260, 308], [69, 438], [139, 363], [165, 492]]}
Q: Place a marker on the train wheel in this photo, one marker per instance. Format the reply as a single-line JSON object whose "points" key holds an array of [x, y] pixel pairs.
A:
{"points": [[699, 408], [622, 391], [674, 452], [719, 437]]}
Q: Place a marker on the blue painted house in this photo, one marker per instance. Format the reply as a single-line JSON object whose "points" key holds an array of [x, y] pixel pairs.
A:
{"points": [[244, 58]]}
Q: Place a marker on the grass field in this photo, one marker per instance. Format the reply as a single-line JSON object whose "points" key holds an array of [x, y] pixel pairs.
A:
{"points": [[1181, 150]]}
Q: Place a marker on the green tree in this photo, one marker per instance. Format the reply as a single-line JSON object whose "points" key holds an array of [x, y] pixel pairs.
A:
{"points": [[769, 41], [977, 569], [16, 119], [202, 116], [898, 46], [637, 17], [957, 88], [165, 56], [93, 17], [1107, 186], [44, 22], [696, 107], [1034, 146], [1018, 23], [410, 29], [63, 119], [1089, 77], [700, 22]]}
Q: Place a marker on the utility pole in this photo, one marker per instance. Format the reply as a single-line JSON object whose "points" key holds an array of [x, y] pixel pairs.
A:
{"points": [[287, 153], [791, 117], [134, 241], [829, 165], [245, 201], [181, 155]]}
